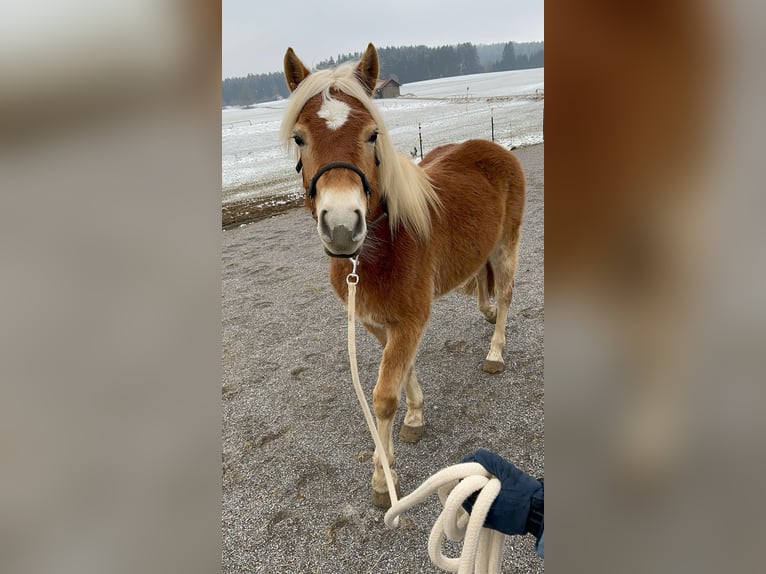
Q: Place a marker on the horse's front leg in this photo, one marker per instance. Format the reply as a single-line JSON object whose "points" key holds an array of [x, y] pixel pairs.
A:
{"points": [[398, 355], [412, 427]]}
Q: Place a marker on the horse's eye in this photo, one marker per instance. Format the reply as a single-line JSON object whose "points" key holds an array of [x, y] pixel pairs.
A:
{"points": [[373, 137], [298, 140]]}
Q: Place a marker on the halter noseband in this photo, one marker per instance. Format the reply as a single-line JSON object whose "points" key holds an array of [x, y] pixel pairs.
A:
{"points": [[312, 190]]}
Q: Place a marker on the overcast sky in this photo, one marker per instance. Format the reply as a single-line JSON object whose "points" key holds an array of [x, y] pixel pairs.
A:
{"points": [[256, 33]]}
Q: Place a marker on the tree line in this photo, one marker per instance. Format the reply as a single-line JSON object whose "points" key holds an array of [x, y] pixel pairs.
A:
{"points": [[405, 63]]}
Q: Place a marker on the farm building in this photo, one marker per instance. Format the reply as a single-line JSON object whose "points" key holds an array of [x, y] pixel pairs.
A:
{"points": [[387, 88]]}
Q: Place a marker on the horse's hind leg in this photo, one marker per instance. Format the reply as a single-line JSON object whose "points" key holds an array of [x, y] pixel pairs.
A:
{"points": [[486, 307], [503, 261], [412, 427]]}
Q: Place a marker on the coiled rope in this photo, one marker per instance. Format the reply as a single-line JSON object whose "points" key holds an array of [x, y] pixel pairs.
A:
{"points": [[482, 547]]}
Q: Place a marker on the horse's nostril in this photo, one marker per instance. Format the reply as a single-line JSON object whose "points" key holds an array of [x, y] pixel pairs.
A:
{"points": [[359, 228], [324, 229]]}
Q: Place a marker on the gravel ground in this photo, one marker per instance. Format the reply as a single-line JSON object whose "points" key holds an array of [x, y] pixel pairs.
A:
{"points": [[296, 450]]}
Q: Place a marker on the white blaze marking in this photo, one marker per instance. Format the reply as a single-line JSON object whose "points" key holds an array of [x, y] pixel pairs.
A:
{"points": [[335, 113]]}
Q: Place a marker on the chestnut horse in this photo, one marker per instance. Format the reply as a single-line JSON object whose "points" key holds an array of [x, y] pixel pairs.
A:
{"points": [[419, 231]]}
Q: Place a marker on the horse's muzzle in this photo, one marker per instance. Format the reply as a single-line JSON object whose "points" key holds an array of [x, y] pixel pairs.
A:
{"points": [[342, 236]]}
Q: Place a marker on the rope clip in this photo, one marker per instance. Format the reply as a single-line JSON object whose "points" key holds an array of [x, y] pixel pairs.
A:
{"points": [[352, 278]]}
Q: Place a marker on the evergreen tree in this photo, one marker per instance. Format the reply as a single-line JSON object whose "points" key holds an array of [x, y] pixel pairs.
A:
{"points": [[537, 60], [508, 61]]}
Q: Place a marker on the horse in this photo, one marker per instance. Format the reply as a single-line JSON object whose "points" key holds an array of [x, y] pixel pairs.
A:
{"points": [[418, 231]]}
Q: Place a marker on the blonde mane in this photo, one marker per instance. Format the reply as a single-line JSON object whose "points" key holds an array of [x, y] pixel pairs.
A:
{"points": [[406, 187]]}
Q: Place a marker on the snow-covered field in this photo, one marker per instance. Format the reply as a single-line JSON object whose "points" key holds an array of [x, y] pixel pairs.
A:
{"points": [[449, 110]]}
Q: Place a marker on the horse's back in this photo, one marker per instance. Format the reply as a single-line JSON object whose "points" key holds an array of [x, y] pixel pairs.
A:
{"points": [[477, 171], [476, 151], [498, 165]]}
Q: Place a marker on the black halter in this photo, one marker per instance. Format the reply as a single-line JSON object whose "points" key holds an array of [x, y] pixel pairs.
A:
{"points": [[312, 190]]}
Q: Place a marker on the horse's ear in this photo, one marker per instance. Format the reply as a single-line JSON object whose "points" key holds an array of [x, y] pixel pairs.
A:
{"points": [[367, 70], [295, 71]]}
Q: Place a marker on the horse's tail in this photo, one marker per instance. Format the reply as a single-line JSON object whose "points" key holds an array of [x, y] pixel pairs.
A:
{"points": [[471, 286]]}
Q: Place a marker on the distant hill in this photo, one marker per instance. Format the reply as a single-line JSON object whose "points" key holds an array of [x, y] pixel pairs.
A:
{"points": [[405, 63]]}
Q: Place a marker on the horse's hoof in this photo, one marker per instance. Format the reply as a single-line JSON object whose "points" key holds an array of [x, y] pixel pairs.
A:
{"points": [[493, 367], [411, 434], [382, 499], [491, 316]]}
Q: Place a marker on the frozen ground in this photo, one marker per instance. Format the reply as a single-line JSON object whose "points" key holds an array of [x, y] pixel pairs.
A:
{"points": [[296, 461], [449, 110]]}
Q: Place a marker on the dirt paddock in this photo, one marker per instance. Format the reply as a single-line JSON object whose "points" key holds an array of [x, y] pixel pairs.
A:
{"points": [[297, 456]]}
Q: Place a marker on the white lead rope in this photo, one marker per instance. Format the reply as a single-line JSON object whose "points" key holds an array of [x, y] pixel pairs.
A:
{"points": [[351, 280], [483, 547]]}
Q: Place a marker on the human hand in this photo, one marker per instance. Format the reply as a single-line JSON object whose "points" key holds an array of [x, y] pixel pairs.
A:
{"points": [[510, 510]]}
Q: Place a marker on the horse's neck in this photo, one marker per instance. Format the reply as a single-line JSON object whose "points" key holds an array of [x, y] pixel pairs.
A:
{"points": [[378, 246]]}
